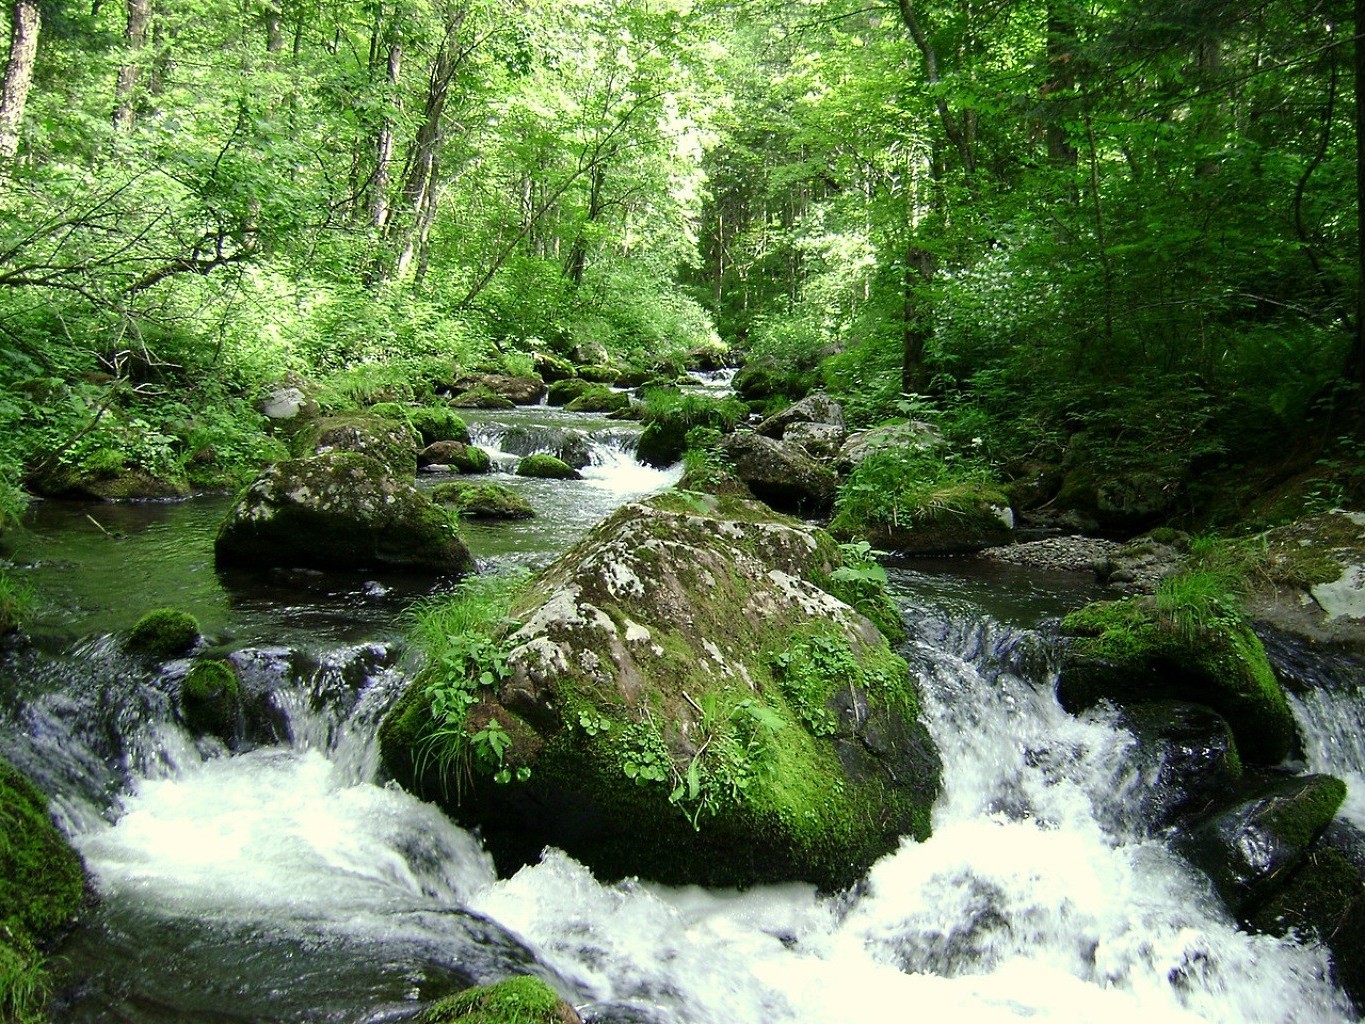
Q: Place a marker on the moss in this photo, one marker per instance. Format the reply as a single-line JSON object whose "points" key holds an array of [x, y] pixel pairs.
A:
{"points": [[599, 398], [599, 373], [562, 392], [23, 980], [390, 441], [164, 633], [211, 699], [1298, 821], [547, 467], [483, 501], [432, 422], [473, 460], [523, 1000], [1127, 651], [42, 881]]}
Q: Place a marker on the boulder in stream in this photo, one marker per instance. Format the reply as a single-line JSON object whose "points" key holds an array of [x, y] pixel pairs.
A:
{"points": [[340, 510], [780, 474], [519, 389], [483, 500], [392, 442], [1128, 652], [523, 1000], [463, 458], [817, 408], [677, 698], [547, 467]]}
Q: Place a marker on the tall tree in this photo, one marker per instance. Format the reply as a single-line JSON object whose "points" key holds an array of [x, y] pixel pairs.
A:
{"points": [[25, 24], [139, 16]]}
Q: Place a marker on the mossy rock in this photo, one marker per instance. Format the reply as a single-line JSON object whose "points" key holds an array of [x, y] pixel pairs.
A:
{"points": [[340, 510], [562, 392], [42, 880], [599, 373], [164, 633], [109, 480], [432, 422], [519, 389], [685, 703], [390, 441], [211, 700], [1127, 652], [599, 398], [523, 1000], [481, 396], [1248, 849], [553, 368], [1324, 899], [662, 443], [547, 467], [461, 457], [483, 500], [780, 474]]}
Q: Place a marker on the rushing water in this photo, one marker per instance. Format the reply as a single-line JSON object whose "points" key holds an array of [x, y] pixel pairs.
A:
{"points": [[285, 883]]}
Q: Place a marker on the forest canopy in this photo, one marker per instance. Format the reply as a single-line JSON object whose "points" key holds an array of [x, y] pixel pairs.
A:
{"points": [[1125, 231]]}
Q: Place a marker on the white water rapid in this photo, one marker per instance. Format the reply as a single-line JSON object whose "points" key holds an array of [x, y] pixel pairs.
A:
{"points": [[1037, 896]]}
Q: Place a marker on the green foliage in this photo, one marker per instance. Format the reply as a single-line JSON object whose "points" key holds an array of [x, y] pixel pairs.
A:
{"points": [[861, 583], [16, 601], [460, 638], [901, 485], [24, 985]]}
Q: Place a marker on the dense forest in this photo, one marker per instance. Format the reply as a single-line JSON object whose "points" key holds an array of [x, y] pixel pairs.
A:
{"points": [[1110, 241]]}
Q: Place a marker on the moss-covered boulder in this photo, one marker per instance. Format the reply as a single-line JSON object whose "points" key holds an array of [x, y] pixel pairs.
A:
{"points": [[678, 698], [1249, 848], [211, 700], [599, 398], [552, 367], [435, 423], [164, 633], [340, 510], [519, 389], [599, 373], [1128, 652], [817, 408], [483, 500], [781, 475], [42, 889], [481, 397], [105, 476], [547, 467], [42, 880], [523, 1000], [562, 392], [390, 441], [456, 455]]}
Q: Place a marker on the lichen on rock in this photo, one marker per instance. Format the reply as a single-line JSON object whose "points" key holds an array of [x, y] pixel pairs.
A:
{"points": [[683, 702]]}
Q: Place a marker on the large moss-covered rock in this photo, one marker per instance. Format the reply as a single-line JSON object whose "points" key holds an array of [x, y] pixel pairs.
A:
{"points": [[519, 389], [42, 880], [432, 422], [463, 458], [390, 441], [683, 702], [1324, 899], [211, 699], [523, 1000], [340, 510], [1127, 652], [1249, 848], [546, 467], [782, 475], [599, 398]]}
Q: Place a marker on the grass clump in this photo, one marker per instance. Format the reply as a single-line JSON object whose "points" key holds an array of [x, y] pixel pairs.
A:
{"points": [[16, 601], [669, 414], [903, 487]]}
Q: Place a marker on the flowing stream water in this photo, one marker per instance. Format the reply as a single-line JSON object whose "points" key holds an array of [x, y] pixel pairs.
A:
{"points": [[288, 883]]}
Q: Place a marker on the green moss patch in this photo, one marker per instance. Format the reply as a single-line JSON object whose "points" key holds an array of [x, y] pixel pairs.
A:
{"points": [[211, 699], [599, 398], [164, 633], [523, 1000], [1130, 651], [547, 467]]}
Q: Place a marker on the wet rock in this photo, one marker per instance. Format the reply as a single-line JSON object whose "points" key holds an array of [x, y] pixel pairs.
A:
{"points": [[684, 703], [1128, 653], [552, 368], [211, 700], [599, 398], [859, 445], [1188, 753], [164, 633], [1249, 848], [569, 446], [781, 475], [1324, 899], [1139, 565], [340, 510], [563, 392]]}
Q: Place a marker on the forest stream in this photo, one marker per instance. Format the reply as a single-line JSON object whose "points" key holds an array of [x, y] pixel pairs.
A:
{"points": [[290, 883]]}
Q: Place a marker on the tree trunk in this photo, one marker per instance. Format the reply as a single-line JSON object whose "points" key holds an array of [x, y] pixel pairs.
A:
{"points": [[962, 139], [25, 23], [578, 255], [135, 38], [383, 146], [1061, 84], [916, 325], [1355, 361], [274, 27]]}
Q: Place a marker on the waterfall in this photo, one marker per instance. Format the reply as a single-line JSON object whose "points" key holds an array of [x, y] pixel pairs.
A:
{"points": [[1039, 895]]}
